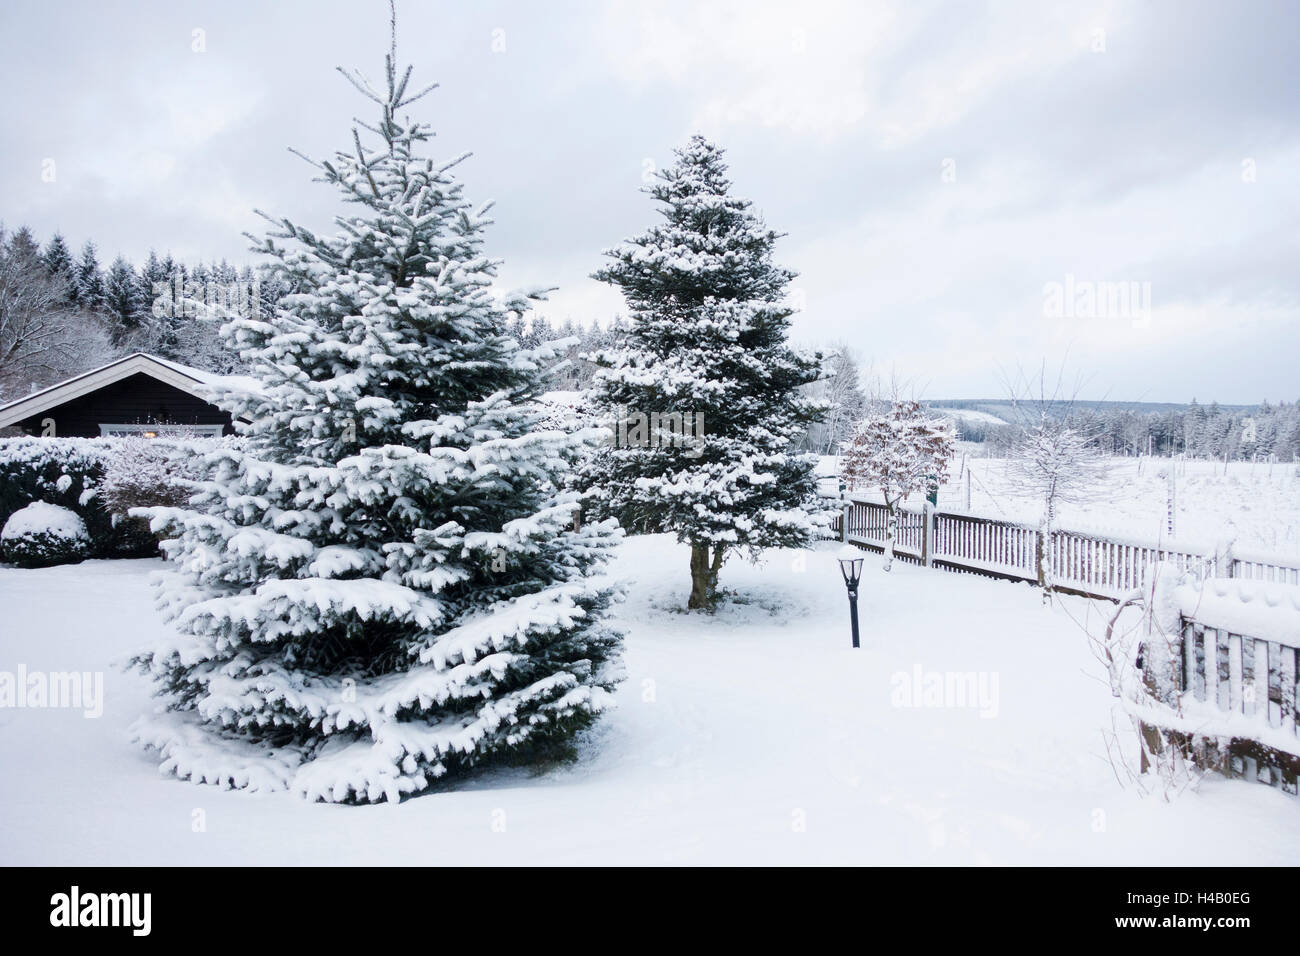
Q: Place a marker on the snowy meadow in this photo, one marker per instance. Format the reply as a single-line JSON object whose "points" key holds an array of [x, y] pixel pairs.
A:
{"points": [[1256, 503]]}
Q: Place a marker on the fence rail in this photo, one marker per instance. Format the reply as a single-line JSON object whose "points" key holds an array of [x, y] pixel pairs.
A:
{"points": [[1079, 562]]}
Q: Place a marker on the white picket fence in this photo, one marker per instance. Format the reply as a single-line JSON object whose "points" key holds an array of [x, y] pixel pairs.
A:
{"points": [[1238, 678], [1080, 562]]}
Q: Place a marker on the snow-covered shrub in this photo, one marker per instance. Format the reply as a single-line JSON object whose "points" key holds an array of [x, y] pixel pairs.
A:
{"points": [[143, 473], [40, 535], [146, 473], [899, 451], [64, 472], [70, 472]]}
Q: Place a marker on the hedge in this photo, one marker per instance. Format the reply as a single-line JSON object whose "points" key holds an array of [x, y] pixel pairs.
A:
{"points": [[67, 472]]}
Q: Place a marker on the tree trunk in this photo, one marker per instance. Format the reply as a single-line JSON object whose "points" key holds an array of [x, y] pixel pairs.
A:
{"points": [[704, 575], [1152, 745], [891, 534], [1046, 580]]}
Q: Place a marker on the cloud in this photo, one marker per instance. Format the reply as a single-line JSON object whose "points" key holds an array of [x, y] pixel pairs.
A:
{"points": [[819, 68], [1103, 139]]}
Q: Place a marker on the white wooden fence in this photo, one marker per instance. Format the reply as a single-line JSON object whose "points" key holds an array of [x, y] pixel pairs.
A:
{"points": [[1079, 562], [1238, 678]]}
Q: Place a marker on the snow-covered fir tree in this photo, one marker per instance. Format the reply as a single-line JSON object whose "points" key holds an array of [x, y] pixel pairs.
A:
{"points": [[706, 353], [58, 259], [124, 301], [87, 288], [271, 289], [155, 275], [898, 451], [382, 585], [22, 245]]}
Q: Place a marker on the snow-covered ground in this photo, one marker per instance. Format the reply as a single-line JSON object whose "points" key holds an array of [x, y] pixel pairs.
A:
{"points": [[1257, 503], [753, 736]]}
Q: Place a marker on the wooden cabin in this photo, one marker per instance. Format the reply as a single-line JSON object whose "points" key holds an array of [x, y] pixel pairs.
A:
{"points": [[137, 395]]}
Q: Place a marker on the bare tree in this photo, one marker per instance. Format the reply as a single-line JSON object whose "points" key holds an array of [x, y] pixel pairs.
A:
{"points": [[842, 390], [1141, 660], [42, 336], [1054, 454]]}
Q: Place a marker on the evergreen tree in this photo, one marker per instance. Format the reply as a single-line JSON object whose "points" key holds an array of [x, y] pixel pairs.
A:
{"points": [[88, 281], [57, 259], [707, 340], [123, 300], [248, 291], [23, 246], [383, 584], [154, 272], [271, 289], [157, 332], [540, 331]]}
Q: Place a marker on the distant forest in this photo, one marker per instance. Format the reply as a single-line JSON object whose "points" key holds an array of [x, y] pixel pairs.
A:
{"points": [[63, 313], [1237, 432]]}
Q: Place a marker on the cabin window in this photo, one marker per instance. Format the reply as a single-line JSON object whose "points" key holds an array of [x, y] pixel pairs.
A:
{"points": [[153, 431]]}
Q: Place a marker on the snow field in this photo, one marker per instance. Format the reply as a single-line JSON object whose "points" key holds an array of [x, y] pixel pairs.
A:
{"points": [[756, 735]]}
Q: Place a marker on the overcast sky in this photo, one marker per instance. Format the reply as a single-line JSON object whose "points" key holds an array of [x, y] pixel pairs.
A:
{"points": [[936, 167]]}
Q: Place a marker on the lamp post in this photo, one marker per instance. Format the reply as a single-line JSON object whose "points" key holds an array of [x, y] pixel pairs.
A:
{"points": [[851, 568]]}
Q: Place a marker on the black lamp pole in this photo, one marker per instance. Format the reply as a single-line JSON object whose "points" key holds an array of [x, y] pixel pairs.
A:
{"points": [[851, 568], [853, 613]]}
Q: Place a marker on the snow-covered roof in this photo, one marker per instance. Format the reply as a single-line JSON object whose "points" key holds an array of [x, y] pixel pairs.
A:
{"points": [[194, 381]]}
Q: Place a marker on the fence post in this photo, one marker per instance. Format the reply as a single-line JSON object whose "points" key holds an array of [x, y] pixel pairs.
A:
{"points": [[844, 522], [927, 534], [1171, 503], [1223, 558], [1040, 556]]}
